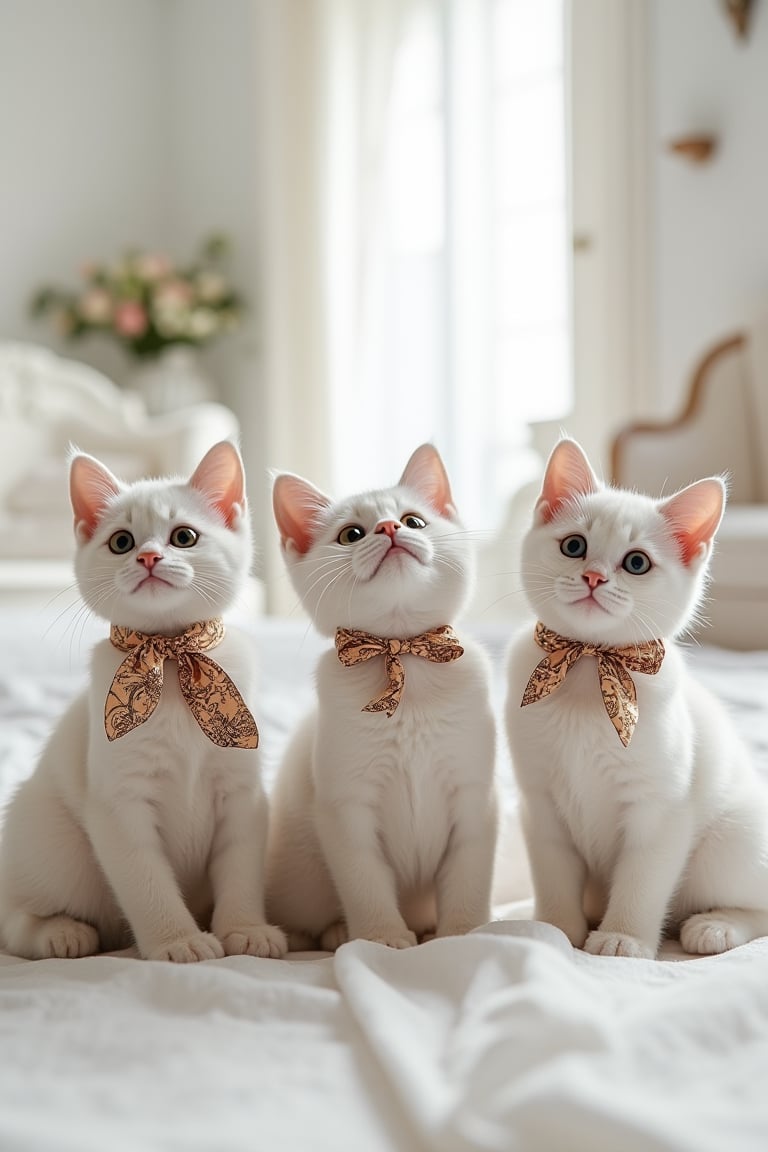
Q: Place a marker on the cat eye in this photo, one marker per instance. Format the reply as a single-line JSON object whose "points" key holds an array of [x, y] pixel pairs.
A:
{"points": [[121, 542], [637, 563], [351, 534], [184, 537], [411, 520], [573, 546]]}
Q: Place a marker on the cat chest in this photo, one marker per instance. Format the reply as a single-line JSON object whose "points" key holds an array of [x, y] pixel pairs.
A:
{"points": [[567, 743]]}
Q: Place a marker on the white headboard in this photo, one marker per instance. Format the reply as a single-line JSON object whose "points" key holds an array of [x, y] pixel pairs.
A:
{"points": [[47, 403]]}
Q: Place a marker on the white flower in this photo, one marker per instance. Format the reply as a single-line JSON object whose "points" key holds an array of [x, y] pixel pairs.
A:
{"points": [[202, 323]]}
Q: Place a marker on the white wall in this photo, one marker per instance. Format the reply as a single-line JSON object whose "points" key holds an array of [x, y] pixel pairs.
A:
{"points": [[131, 123], [711, 221]]}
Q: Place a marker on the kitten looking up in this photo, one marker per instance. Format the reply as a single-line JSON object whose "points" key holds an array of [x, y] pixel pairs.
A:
{"points": [[640, 809], [384, 811], [145, 818]]}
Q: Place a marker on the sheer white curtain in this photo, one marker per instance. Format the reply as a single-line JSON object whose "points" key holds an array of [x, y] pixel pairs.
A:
{"points": [[415, 257]]}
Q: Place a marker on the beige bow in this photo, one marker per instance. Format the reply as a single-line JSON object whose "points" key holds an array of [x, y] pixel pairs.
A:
{"points": [[613, 667], [213, 699], [353, 646]]}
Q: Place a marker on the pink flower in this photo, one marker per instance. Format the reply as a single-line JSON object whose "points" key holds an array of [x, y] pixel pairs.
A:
{"points": [[95, 306], [130, 319], [173, 294], [152, 266]]}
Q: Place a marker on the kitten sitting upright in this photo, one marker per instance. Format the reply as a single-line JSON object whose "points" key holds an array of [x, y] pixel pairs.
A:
{"points": [[384, 811], [145, 819], [640, 809]]}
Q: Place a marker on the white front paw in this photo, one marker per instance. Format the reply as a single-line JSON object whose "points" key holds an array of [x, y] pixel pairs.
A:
{"points": [[393, 935], [706, 934], [618, 944], [188, 949], [255, 940]]}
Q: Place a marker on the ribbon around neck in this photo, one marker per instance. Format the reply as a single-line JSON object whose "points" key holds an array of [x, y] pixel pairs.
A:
{"points": [[613, 668], [353, 646], [211, 695]]}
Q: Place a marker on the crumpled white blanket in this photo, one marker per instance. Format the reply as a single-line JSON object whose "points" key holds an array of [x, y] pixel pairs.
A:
{"points": [[501, 1040]]}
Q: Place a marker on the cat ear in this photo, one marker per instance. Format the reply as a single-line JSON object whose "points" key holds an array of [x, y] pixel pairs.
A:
{"points": [[297, 504], [91, 487], [694, 515], [426, 473], [221, 479], [568, 474]]}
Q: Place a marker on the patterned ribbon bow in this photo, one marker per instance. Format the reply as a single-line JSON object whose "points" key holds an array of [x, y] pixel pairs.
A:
{"points": [[213, 699], [613, 668], [439, 645]]}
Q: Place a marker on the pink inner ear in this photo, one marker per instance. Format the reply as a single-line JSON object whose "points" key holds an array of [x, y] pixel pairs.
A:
{"points": [[568, 474], [297, 504], [220, 478], [694, 515], [91, 486], [426, 473]]}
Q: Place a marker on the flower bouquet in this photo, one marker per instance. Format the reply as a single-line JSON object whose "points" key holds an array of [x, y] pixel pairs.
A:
{"points": [[147, 303]]}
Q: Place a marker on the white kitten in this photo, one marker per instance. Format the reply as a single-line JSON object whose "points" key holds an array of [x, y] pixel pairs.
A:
{"points": [[384, 826], [159, 833], [670, 831]]}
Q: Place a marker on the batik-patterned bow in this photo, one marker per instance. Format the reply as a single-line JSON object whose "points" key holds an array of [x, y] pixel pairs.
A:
{"points": [[213, 699], [440, 645], [613, 668]]}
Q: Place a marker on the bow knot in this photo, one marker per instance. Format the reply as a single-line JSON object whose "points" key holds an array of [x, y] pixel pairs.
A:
{"points": [[353, 646], [211, 695], [613, 668]]}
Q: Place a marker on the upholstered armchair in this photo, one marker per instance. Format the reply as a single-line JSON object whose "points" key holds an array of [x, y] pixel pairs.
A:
{"points": [[722, 429]]}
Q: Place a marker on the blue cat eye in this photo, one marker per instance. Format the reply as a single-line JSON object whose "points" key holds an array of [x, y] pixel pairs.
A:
{"points": [[184, 537], [121, 542], [351, 534], [637, 563], [411, 520], [574, 547]]}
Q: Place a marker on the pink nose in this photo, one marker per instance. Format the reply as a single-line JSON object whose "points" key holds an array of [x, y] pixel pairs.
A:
{"points": [[593, 579], [148, 559], [388, 526]]}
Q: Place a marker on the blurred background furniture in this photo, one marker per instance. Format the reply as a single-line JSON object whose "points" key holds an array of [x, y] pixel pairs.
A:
{"points": [[723, 429], [48, 403]]}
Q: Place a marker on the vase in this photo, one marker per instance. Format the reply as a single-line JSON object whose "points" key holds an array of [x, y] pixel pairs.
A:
{"points": [[173, 379]]}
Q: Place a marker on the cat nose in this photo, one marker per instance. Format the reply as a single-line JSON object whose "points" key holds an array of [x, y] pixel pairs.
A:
{"points": [[594, 578], [388, 526], [148, 558]]}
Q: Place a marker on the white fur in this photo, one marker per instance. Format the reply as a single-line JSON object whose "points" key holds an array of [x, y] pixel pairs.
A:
{"points": [[384, 827], [158, 837], [672, 831]]}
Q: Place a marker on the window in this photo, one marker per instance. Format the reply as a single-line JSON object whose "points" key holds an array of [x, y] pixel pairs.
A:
{"points": [[463, 327]]}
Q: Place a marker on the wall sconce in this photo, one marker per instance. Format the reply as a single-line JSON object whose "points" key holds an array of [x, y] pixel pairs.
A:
{"points": [[739, 13], [697, 149]]}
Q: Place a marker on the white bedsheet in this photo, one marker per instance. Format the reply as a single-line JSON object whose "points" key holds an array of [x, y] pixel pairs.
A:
{"points": [[489, 1041], [506, 1039]]}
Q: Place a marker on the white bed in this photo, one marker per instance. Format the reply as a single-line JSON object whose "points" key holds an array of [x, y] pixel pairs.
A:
{"points": [[505, 1039], [502, 1040]]}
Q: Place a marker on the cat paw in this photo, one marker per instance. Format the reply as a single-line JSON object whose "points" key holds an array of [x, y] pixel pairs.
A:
{"points": [[255, 940], [188, 949], [66, 939], [334, 936], [396, 938], [706, 934], [618, 944]]}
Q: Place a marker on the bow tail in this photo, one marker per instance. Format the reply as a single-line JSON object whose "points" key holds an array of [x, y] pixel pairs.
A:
{"points": [[549, 674], [390, 697], [619, 696], [133, 694], [216, 704]]}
